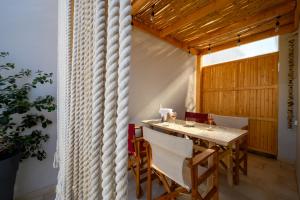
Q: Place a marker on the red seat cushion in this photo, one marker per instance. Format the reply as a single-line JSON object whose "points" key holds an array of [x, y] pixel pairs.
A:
{"points": [[131, 136], [196, 117]]}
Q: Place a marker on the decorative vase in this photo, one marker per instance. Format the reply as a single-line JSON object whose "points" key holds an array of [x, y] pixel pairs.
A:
{"points": [[8, 171]]}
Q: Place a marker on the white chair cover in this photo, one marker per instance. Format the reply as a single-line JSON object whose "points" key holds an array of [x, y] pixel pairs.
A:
{"points": [[230, 121], [169, 154]]}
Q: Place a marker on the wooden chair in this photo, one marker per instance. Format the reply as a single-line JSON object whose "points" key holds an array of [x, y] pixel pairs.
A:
{"points": [[196, 117], [200, 118], [137, 159], [240, 159], [171, 157]]}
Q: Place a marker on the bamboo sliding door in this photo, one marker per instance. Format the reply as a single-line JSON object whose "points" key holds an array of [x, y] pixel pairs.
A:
{"points": [[248, 88]]}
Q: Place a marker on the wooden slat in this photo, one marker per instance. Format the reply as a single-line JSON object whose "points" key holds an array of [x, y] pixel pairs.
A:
{"points": [[198, 80], [207, 173], [202, 157], [269, 25], [297, 14], [242, 88], [170, 40], [194, 25], [137, 5], [223, 94], [247, 22], [212, 7], [259, 36]]}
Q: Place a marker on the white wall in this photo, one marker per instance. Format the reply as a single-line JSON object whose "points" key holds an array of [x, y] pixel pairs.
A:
{"points": [[29, 33], [286, 137], [159, 74]]}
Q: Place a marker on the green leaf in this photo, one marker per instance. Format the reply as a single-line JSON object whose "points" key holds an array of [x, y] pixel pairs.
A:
{"points": [[16, 103]]}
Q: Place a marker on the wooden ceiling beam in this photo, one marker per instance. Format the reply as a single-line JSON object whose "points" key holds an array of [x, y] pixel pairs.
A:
{"points": [[260, 18], [137, 5], [252, 38], [212, 7], [169, 40]]}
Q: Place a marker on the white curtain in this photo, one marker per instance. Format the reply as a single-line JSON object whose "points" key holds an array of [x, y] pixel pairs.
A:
{"points": [[93, 65], [190, 96]]}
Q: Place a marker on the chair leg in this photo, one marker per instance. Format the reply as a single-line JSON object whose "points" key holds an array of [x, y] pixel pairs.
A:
{"points": [[246, 164], [131, 167], [194, 178], [246, 157], [216, 178], [137, 180], [237, 164], [149, 184]]}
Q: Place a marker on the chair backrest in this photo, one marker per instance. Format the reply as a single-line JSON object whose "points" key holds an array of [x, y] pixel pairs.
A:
{"points": [[197, 117], [131, 136], [169, 154], [230, 121]]}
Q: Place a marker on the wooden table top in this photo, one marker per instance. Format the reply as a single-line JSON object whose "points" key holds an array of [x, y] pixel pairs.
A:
{"points": [[217, 134]]}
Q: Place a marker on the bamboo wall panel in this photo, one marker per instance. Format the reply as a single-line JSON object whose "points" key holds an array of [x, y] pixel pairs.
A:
{"points": [[247, 88]]}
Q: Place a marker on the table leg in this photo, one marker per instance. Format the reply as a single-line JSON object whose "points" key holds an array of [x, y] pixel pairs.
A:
{"points": [[237, 163], [213, 180], [229, 160]]}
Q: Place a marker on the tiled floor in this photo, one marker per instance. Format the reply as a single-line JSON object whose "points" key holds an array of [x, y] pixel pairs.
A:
{"points": [[47, 193], [267, 180]]}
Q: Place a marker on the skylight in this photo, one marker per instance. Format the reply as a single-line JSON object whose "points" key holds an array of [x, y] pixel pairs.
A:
{"points": [[265, 46]]}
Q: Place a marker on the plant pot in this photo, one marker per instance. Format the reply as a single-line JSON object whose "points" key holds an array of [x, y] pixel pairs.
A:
{"points": [[8, 172]]}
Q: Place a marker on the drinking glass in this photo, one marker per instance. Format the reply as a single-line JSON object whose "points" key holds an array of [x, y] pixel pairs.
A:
{"points": [[173, 116], [210, 120]]}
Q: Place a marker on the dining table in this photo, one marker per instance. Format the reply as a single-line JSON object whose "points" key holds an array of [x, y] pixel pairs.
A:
{"points": [[226, 137]]}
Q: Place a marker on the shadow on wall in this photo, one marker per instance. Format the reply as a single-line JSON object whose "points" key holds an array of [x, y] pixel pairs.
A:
{"points": [[159, 75]]}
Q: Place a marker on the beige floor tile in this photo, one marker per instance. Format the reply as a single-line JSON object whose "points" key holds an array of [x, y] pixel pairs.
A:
{"points": [[267, 179]]}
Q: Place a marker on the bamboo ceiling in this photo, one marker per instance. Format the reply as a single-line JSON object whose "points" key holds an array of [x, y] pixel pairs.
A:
{"points": [[201, 26]]}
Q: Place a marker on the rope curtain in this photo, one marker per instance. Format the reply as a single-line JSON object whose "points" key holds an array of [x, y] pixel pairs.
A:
{"points": [[94, 77]]}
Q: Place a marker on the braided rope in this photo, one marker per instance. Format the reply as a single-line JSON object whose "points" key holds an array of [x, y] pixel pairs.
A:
{"points": [[85, 105], [81, 107], [73, 101], [98, 98], [70, 27], [110, 103], [77, 164], [70, 32], [97, 101], [83, 101], [123, 93], [88, 99], [63, 64]]}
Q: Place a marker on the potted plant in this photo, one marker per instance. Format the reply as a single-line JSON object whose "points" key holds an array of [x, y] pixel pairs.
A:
{"points": [[21, 121]]}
